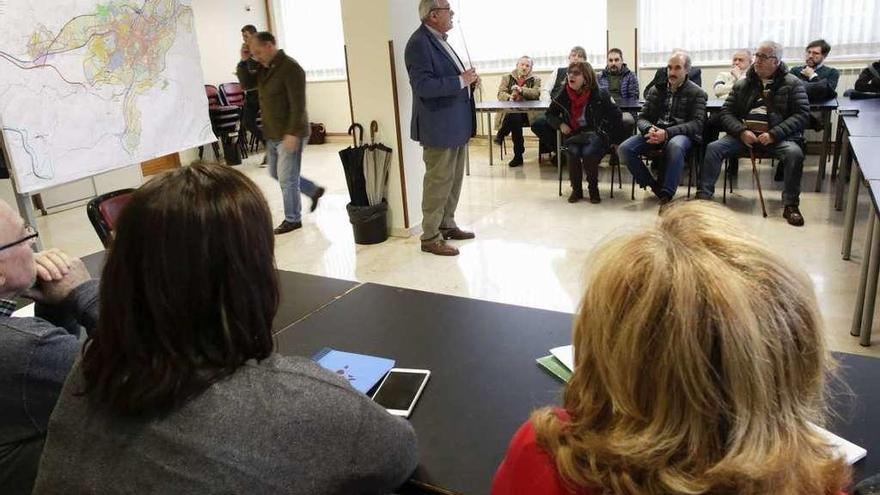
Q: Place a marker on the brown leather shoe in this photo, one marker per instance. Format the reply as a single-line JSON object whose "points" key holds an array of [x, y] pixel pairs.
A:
{"points": [[456, 234], [439, 248]]}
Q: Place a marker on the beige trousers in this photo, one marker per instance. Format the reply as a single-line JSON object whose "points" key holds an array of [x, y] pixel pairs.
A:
{"points": [[444, 172]]}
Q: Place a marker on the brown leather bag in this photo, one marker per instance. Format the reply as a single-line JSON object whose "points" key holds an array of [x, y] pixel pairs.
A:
{"points": [[318, 134]]}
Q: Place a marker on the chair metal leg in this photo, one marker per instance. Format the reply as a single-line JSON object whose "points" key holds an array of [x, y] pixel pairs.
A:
{"points": [[611, 167], [724, 188]]}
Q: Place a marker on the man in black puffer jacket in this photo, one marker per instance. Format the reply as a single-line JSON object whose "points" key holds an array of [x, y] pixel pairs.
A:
{"points": [[672, 120], [767, 110]]}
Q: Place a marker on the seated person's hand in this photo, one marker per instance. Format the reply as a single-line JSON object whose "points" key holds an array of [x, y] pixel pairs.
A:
{"points": [[52, 265], [807, 72], [54, 291], [766, 139], [656, 136], [748, 138], [564, 129]]}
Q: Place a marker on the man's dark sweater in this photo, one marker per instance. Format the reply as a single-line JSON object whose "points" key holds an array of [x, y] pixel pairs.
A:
{"points": [[36, 355]]}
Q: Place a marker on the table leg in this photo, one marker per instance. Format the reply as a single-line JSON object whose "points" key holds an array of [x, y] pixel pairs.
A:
{"points": [[845, 171], [849, 220], [856, 328], [837, 141], [559, 159], [871, 288], [489, 133], [823, 157]]}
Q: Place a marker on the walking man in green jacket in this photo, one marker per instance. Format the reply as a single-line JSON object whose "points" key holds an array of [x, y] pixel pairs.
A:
{"points": [[281, 84]]}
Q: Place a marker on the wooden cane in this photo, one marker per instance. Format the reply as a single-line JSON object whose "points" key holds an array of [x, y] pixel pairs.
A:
{"points": [[758, 181]]}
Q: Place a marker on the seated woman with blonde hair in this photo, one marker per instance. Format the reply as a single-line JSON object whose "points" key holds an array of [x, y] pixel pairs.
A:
{"points": [[700, 362]]}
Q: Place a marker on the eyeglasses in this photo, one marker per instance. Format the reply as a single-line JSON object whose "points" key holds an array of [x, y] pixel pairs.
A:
{"points": [[575, 73], [29, 233], [441, 8], [761, 56]]}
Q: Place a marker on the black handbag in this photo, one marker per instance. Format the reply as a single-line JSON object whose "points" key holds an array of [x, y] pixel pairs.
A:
{"points": [[318, 133]]}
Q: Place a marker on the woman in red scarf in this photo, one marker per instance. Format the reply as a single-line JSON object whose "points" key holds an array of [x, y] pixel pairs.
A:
{"points": [[589, 122]]}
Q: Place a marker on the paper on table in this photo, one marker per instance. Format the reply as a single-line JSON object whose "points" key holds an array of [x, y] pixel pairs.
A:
{"points": [[25, 312], [553, 365], [844, 448], [565, 355]]}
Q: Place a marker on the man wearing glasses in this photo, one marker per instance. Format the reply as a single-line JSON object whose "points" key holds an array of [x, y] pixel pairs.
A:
{"points": [[36, 353], [443, 121], [820, 80], [767, 110]]}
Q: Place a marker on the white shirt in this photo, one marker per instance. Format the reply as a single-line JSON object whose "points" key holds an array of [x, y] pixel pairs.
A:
{"points": [[441, 37]]}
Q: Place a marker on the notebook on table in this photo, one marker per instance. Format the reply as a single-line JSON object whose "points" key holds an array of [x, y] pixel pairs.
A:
{"points": [[362, 371]]}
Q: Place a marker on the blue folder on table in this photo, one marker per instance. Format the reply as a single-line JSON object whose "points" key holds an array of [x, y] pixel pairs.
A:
{"points": [[361, 370]]}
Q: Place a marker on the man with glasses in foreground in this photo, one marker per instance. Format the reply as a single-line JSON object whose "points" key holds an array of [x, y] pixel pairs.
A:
{"points": [[767, 110], [36, 353]]}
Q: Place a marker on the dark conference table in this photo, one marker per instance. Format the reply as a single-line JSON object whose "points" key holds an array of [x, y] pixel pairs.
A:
{"points": [[484, 379]]}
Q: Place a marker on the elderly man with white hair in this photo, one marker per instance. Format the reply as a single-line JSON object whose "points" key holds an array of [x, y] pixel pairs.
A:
{"points": [[36, 353], [767, 110], [443, 121], [519, 85], [742, 59]]}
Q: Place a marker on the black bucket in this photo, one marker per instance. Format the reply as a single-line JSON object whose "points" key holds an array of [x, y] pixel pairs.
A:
{"points": [[369, 223], [231, 152]]}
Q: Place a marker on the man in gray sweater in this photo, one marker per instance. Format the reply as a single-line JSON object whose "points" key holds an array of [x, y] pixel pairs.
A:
{"points": [[36, 353]]}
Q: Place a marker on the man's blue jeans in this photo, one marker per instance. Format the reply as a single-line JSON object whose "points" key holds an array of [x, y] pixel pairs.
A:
{"points": [[284, 167], [674, 152], [789, 153]]}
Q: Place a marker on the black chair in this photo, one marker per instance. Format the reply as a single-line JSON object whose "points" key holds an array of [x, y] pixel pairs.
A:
{"points": [[104, 210], [225, 122], [691, 161], [232, 95], [612, 151]]}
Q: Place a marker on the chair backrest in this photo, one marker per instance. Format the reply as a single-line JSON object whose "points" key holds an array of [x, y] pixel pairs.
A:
{"points": [[213, 96], [232, 94], [104, 210]]}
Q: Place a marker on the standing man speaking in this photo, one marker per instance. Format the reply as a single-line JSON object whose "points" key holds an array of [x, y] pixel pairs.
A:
{"points": [[443, 120]]}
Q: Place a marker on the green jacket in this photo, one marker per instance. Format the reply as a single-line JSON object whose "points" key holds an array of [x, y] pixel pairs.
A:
{"points": [[282, 89]]}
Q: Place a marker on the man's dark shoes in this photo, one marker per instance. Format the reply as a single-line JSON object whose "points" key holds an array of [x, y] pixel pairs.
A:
{"points": [[516, 162], [575, 196], [665, 198], [315, 197], [456, 234], [286, 227], [439, 247], [594, 194], [498, 139], [793, 215]]}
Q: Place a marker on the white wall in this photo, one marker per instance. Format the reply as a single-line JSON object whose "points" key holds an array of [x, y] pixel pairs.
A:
{"points": [[218, 28]]}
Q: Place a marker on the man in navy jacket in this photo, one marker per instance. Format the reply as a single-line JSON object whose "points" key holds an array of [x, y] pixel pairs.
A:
{"points": [[443, 120]]}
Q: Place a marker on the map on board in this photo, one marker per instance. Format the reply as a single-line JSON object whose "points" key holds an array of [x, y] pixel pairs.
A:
{"points": [[87, 86]]}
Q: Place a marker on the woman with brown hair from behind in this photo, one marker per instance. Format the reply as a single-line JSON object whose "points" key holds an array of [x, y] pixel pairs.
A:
{"points": [[700, 362]]}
